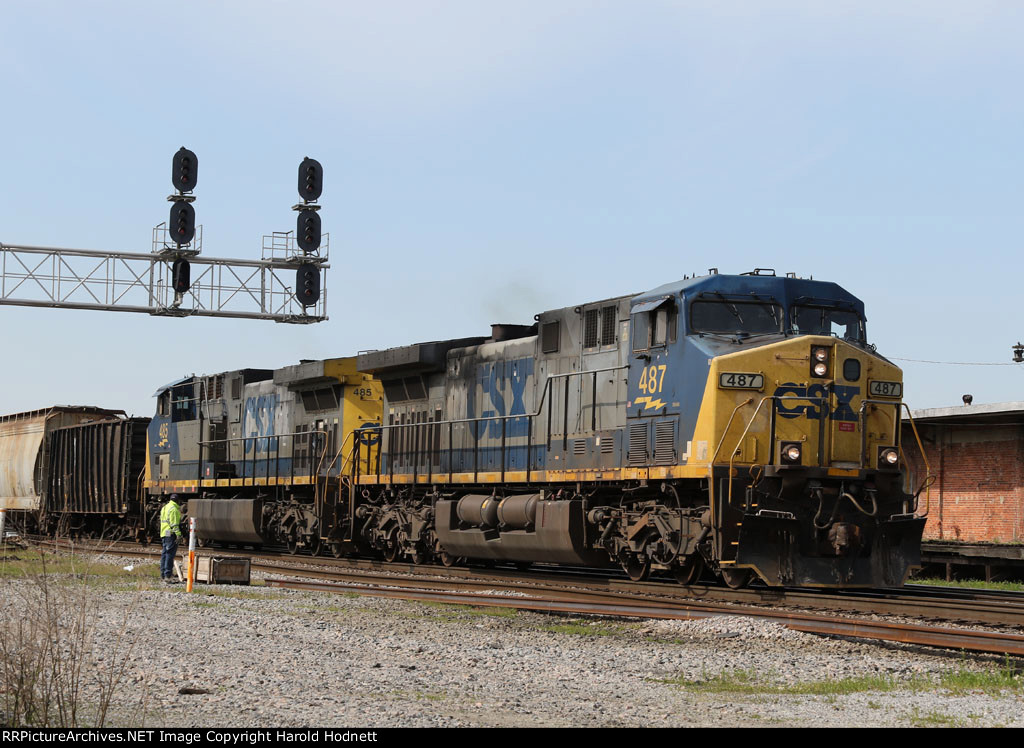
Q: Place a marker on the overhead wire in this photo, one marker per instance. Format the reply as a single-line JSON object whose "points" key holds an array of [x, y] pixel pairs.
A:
{"points": [[960, 363]]}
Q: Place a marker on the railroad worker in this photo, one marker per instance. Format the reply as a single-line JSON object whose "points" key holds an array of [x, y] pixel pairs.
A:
{"points": [[170, 534]]}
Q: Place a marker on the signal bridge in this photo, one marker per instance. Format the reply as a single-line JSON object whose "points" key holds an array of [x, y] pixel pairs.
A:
{"points": [[60, 278], [285, 285]]}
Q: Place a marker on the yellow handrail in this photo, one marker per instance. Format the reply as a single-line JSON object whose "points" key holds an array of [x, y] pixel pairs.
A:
{"points": [[714, 457], [732, 455], [929, 478]]}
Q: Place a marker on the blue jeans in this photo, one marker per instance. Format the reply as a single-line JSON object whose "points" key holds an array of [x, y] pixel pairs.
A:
{"points": [[167, 557]]}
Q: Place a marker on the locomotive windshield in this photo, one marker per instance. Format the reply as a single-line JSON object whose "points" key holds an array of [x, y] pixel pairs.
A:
{"points": [[732, 317], [821, 320]]}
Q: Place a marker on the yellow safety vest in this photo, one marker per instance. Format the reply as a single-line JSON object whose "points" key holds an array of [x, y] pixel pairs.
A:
{"points": [[170, 520]]}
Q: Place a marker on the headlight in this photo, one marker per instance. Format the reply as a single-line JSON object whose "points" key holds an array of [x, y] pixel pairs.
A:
{"points": [[888, 457], [819, 361], [790, 453]]}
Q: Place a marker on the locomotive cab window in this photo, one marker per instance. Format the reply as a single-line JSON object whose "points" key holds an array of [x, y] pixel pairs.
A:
{"points": [[727, 317], [654, 324], [183, 404], [820, 320]]}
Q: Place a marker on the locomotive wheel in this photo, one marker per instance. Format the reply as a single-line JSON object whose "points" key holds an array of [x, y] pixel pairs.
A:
{"points": [[336, 550], [419, 556], [315, 545], [293, 541], [637, 568], [735, 578], [689, 570], [448, 559]]}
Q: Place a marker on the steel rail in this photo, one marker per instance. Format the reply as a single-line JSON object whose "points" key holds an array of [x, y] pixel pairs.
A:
{"points": [[957, 606], [933, 636]]}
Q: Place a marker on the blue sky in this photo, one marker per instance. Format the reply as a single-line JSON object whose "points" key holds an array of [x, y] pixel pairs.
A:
{"points": [[486, 161]]}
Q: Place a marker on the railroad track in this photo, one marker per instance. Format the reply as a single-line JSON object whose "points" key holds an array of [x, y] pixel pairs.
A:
{"points": [[932, 636], [577, 592]]}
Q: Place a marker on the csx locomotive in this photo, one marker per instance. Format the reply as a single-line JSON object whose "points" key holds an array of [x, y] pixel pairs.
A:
{"points": [[735, 425]]}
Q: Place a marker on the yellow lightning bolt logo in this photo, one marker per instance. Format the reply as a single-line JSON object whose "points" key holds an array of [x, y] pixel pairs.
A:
{"points": [[651, 402]]}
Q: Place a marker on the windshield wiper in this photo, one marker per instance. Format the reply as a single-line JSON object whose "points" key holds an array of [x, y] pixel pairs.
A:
{"points": [[732, 307], [730, 337]]}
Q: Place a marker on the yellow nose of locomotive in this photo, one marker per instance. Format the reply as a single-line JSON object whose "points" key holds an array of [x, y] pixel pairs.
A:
{"points": [[812, 402], [805, 478]]}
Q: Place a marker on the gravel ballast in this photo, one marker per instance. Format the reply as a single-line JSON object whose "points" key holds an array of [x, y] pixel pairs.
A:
{"points": [[269, 657]]}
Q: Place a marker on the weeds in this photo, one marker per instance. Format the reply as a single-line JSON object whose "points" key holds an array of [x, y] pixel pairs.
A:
{"points": [[976, 584], [49, 665]]}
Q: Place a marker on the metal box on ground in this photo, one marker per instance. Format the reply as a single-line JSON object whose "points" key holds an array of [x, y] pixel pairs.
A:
{"points": [[222, 570]]}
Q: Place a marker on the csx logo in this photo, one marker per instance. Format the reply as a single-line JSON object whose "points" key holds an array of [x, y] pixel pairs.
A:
{"points": [[791, 408], [501, 379]]}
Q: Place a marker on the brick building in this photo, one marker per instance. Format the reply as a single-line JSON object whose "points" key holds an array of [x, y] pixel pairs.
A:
{"points": [[976, 453]]}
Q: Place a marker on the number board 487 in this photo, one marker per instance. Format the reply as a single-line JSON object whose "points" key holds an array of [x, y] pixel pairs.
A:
{"points": [[736, 380]]}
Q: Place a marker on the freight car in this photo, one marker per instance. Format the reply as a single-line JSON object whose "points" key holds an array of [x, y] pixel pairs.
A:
{"points": [[75, 471], [739, 424]]}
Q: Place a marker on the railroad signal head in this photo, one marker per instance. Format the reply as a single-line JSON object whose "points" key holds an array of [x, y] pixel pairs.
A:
{"points": [[182, 224], [311, 179], [307, 231], [307, 284], [184, 170], [181, 273]]}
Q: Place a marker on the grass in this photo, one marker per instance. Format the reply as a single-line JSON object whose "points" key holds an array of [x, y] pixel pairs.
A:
{"points": [[24, 564], [935, 719], [745, 682], [1003, 678], [974, 584], [450, 612], [749, 682], [588, 628]]}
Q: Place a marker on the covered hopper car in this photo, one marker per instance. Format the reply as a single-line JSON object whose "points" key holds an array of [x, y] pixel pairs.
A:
{"points": [[74, 470]]}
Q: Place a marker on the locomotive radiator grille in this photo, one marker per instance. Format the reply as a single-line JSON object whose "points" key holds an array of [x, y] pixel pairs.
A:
{"points": [[637, 443], [664, 443]]}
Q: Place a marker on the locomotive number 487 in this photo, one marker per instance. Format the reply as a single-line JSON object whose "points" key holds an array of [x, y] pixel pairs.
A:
{"points": [[652, 378]]}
